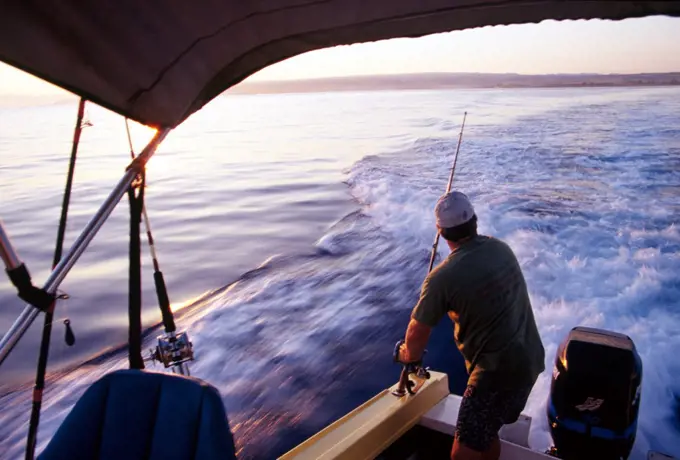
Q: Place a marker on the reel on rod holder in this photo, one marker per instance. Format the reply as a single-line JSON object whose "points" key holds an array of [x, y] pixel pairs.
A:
{"points": [[174, 350], [415, 370]]}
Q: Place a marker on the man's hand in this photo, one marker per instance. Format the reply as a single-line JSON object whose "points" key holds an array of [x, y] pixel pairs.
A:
{"points": [[417, 335], [404, 355]]}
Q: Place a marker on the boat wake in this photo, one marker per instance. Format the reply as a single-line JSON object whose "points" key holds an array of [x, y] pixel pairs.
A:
{"points": [[592, 214]]}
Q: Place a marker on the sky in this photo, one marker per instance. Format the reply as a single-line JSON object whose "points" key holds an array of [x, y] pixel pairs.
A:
{"points": [[594, 46]]}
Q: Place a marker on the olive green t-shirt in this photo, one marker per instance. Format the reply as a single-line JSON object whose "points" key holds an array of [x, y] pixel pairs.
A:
{"points": [[481, 287]]}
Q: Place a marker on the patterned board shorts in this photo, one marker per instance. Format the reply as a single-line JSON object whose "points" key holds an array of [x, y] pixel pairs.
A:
{"points": [[484, 411]]}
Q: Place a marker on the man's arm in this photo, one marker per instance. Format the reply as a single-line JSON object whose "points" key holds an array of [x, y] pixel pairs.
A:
{"points": [[431, 307], [417, 335]]}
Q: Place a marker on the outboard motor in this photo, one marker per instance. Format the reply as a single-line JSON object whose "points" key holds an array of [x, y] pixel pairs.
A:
{"points": [[595, 395]]}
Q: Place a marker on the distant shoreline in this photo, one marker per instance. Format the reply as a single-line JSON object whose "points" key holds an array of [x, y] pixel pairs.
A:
{"points": [[426, 81], [401, 82]]}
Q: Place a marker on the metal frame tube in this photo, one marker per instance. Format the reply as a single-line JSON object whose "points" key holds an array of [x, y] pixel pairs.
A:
{"points": [[28, 315], [7, 252]]}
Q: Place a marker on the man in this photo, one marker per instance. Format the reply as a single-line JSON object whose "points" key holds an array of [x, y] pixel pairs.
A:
{"points": [[481, 287]]}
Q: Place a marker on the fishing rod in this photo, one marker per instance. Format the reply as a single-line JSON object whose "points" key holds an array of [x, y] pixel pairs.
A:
{"points": [[448, 189], [39, 386], [416, 369], [174, 349], [161, 290]]}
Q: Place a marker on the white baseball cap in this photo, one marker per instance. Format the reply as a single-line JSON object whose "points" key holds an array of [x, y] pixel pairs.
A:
{"points": [[453, 209]]}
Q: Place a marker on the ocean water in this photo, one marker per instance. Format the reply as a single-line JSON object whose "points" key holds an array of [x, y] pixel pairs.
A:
{"points": [[294, 232]]}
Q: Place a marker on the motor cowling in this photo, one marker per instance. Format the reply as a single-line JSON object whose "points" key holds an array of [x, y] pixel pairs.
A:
{"points": [[595, 395]]}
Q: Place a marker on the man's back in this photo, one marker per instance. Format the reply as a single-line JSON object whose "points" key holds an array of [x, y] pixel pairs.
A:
{"points": [[481, 286]]}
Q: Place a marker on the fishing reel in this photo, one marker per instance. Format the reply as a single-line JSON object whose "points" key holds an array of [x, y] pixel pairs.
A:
{"points": [[413, 370], [174, 350]]}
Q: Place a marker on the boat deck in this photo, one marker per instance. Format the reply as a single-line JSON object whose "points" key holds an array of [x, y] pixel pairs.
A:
{"points": [[411, 428]]}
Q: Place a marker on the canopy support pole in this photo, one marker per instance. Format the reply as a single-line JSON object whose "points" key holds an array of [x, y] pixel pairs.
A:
{"points": [[28, 315], [7, 252]]}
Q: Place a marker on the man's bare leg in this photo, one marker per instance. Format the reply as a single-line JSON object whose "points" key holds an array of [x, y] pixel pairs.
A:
{"points": [[494, 452], [461, 452]]}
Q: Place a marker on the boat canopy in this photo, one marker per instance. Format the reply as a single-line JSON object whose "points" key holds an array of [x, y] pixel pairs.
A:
{"points": [[158, 61]]}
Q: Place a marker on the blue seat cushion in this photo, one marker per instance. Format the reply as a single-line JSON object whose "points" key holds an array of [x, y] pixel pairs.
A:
{"points": [[135, 415]]}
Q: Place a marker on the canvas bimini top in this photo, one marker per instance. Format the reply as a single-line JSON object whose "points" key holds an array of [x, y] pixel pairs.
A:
{"points": [[158, 61]]}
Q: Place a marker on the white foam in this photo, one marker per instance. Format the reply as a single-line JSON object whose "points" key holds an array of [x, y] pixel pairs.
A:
{"points": [[614, 267]]}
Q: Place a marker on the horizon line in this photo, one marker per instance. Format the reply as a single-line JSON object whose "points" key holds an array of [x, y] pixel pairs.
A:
{"points": [[399, 74]]}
